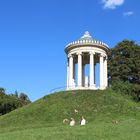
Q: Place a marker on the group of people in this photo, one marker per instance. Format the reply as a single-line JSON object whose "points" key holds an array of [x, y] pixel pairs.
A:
{"points": [[72, 122]]}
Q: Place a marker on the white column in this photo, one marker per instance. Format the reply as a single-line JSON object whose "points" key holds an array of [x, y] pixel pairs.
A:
{"points": [[79, 69], [70, 71], [92, 85], [67, 73], [101, 72], [105, 72]]}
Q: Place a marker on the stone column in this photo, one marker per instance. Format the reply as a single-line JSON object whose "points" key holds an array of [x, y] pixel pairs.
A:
{"points": [[70, 71], [101, 72], [79, 69], [105, 72], [67, 73], [92, 85]]}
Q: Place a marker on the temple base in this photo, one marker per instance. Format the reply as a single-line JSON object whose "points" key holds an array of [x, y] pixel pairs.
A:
{"points": [[86, 88]]}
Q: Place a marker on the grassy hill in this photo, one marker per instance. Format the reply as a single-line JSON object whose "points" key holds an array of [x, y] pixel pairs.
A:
{"points": [[102, 109]]}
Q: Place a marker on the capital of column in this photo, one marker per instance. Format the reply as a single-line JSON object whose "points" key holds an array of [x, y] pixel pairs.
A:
{"points": [[70, 55], [92, 53], [102, 55], [106, 57], [79, 53]]}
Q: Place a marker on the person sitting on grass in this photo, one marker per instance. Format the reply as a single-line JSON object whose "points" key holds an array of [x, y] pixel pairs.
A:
{"points": [[72, 122], [83, 121]]}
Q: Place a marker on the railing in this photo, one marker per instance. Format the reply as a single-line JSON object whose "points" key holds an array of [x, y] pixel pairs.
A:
{"points": [[57, 89], [64, 88]]}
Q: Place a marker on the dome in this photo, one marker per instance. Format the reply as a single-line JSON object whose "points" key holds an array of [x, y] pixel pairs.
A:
{"points": [[86, 40], [86, 36]]}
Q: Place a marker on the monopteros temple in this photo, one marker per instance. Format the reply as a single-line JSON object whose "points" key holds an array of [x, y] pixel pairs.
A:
{"points": [[86, 51]]}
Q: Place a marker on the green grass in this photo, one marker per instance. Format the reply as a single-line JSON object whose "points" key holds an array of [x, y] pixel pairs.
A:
{"points": [[43, 118], [98, 131]]}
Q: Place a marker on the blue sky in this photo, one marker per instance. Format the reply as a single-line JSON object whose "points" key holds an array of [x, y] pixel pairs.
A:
{"points": [[34, 33]]}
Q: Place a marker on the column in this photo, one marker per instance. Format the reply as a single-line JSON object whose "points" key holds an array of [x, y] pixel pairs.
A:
{"points": [[105, 72], [70, 71], [79, 69], [92, 70], [67, 73], [101, 72]]}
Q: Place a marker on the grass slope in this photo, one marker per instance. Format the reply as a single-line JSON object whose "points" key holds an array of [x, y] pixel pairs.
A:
{"points": [[43, 118]]}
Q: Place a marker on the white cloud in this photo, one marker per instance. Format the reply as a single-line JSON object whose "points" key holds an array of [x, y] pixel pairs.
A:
{"points": [[129, 13], [111, 4]]}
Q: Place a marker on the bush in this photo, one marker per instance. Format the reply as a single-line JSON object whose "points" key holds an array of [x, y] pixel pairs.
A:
{"points": [[8, 103], [133, 90]]}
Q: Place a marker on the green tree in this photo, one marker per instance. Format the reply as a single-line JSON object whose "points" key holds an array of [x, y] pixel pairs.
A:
{"points": [[124, 62], [24, 98], [9, 102], [2, 91], [124, 68]]}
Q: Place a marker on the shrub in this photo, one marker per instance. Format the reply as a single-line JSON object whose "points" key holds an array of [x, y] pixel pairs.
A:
{"points": [[133, 90]]}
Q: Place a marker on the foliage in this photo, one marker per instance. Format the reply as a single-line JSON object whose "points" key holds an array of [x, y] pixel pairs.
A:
{"points": [[124, 62], [2, 91], [24, 99], [124, 68], [133, 90], [9, 102]]}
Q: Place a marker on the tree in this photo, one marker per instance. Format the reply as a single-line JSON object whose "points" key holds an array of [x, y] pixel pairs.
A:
{"points": [[2, 91], [9, 102], [124, 68], [24, 98], [124, 62]]}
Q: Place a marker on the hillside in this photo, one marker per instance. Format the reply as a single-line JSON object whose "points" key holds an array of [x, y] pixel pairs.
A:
{"points": [[98, 107], [55, 107]]}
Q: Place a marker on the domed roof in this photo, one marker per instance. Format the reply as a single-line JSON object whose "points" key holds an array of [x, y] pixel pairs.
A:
{"points": [[86, 39]]}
